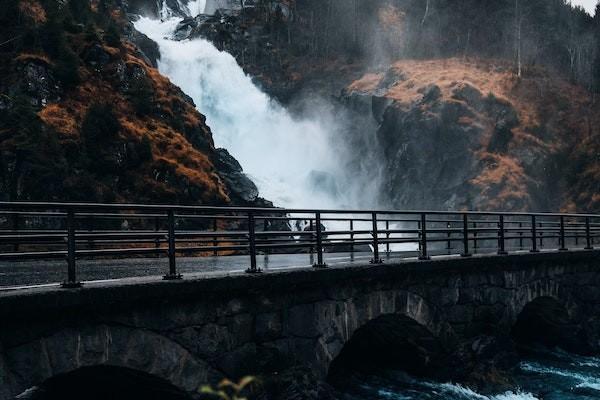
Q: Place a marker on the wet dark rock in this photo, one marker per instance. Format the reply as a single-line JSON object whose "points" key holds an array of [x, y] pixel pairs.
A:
{"points": [[391, 78], [480, 362], [501, 137], [378, 107], [468, 94], [129, 75], [431, 93], [185, 28], [96, 56], [428, 155], [148, 48], [240, 186], [38, 83]]}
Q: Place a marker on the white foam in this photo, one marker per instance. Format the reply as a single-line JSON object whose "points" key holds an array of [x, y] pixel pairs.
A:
{"points": [[276, 150]]}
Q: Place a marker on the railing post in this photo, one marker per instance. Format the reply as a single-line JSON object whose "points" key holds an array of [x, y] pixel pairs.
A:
{"points": [[466, 252], [449, 235], [352, 239], [520, 236], [215, 238], [16, 229], [157, 239], [501, 242], [563, 242], [475, 242], [534, 248], [266, 227], [71, 281], [252, 245], [423, 226], [311, 250], [90, 223], [420, 239], [387, 237], [588, 235], [320, 263], [375, 259], [172, 275]]}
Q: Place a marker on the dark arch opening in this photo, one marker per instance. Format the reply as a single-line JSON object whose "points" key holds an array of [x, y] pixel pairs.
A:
{"points": [[389, 341], [546, 322], [107, 383]]}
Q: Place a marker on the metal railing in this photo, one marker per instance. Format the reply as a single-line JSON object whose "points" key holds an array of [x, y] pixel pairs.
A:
{"points": [[36, 231]]}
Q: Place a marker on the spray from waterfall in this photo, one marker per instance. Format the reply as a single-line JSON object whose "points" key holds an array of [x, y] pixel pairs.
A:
{"points": [[295, 162]]}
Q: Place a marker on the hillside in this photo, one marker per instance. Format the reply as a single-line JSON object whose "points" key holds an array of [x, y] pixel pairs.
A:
{"points": [[490, 139], [452, 124], [84, 115], [471, 134]]}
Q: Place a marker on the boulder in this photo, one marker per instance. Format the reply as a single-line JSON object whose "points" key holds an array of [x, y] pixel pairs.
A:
{"points": [[184, 29], [96, 56], [39, 82], [241, 188]]}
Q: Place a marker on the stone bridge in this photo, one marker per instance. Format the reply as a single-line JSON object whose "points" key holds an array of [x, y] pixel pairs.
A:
{"points": [[187, 333]]}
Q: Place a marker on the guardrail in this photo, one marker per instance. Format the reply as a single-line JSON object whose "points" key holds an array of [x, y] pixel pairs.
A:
{"points": [[80, 230]]}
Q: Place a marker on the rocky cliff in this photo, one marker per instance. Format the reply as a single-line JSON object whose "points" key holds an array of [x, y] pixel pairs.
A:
{"points": [[448, 133], [84, 115], [462, 134]]}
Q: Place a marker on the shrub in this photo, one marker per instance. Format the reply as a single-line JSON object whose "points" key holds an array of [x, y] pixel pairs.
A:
{"points": [[66, 69], [99, 136], [112, 36], [141, 94]]}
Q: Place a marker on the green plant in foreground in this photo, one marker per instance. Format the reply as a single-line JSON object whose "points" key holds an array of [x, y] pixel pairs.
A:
{"points": [[228, 390]]}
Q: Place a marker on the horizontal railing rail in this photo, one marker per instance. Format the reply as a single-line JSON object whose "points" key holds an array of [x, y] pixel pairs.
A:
{"points": [[37, 231]]}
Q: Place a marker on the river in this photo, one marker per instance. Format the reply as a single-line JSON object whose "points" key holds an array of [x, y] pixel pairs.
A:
{"points": [[540, 375]]}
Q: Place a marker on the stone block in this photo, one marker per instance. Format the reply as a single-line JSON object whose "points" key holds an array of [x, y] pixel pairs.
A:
{"points": [[268, 326]]}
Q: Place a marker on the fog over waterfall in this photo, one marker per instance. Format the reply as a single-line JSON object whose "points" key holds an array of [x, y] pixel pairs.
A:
{"points": [[295, 161]]}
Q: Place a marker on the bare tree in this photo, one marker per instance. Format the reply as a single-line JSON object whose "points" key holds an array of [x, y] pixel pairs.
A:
{"points": [[426, 12], [518, 30]]}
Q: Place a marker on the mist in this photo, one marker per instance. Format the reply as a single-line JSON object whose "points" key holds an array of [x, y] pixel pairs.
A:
{"points": [[297, 161]]}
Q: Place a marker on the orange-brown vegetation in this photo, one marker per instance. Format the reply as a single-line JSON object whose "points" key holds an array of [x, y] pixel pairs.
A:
{"points": [[175, 159], [33, 10], [33, 57], [556, 119]]}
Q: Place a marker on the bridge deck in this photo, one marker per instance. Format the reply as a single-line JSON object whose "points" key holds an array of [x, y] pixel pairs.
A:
{"points": [[49, 273]]}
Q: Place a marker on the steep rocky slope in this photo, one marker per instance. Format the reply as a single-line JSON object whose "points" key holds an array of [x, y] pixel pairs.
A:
{"points": [[84, 115], [468, 134]]}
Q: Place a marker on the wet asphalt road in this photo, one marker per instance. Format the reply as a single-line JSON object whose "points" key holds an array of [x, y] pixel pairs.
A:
{"points": [[42, 272]]}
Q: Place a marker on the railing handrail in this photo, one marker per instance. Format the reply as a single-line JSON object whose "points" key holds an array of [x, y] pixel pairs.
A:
{"points": [[165, 207], [71, 230]]}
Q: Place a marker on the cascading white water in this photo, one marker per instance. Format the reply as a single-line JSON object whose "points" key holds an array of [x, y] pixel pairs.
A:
{"points": [[283, 155], [295, 162]]}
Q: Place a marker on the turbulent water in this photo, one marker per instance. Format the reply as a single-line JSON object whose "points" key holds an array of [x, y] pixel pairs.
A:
{"points": [[295, 162], [547, 375]]}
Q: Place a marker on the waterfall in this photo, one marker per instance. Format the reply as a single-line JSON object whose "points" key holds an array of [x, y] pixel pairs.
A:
{"points": [[295, 162]]}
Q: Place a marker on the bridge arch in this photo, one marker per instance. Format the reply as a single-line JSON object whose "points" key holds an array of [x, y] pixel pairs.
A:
{"points": [[367, 318], [106, 382], [71, 351], [548, 321], [392, 340]]}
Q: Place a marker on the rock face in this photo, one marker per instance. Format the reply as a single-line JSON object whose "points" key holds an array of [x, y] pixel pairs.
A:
{"points": [[241, 188], [429, 157], [456, 135]]}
